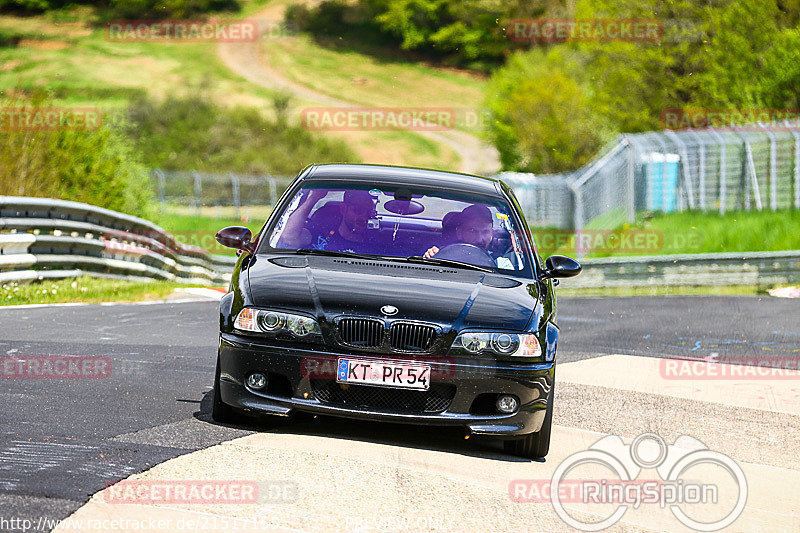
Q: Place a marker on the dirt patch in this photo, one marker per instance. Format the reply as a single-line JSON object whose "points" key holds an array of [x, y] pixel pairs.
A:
{"points": [[10, 65], [40, 26], [43, 44]]}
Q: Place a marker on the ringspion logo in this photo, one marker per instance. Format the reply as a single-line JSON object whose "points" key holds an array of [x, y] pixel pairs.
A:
{"points": [[691, 477]]}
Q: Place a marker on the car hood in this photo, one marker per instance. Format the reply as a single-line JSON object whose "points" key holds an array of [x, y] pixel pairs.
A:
{"points": [[331, 287]]}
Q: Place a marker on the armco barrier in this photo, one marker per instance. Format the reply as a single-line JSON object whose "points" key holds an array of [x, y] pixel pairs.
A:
{"points": [[44, 238], [742, 268], [47, 239]]}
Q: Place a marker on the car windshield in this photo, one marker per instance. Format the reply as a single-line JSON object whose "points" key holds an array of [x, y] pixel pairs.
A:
{"points": [[401, 223]]}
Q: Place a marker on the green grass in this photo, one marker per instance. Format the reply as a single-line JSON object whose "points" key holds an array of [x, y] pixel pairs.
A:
{"points": [[682, 233], [81, 68], [200, 230], [84, 289], [333, 67], [751, 231]]}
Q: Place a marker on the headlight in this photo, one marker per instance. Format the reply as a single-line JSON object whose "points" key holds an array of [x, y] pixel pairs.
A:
{"points": [[507, 344], [261, 321]]}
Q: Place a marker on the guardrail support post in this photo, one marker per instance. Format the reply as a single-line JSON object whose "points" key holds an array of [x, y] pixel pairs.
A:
{"points": [[701, 186], [750, 165], [630, 182], [723, 169], [235, 188], [773, 167], [162, 186], [796, 164], [198, 192], [273, 191], [577, 223], [687, 176]]}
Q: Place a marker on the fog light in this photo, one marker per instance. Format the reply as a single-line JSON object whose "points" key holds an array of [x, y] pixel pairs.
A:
{"points": [[257, 381], [507, 404]]}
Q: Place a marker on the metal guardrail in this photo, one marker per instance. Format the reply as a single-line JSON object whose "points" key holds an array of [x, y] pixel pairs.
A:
{"points": [[742, 268], [47, 239], [44, 238]]}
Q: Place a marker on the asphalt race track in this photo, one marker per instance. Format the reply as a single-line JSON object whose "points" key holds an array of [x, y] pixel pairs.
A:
{"points": [[61, 441]]}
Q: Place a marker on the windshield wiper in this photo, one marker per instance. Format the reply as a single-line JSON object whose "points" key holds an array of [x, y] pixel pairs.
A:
{"points": [[444, 262], [409, 259], [333, 253]]}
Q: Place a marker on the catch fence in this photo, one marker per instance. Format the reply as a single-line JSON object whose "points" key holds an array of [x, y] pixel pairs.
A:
{"points": [[195, 190], [754, 167]]}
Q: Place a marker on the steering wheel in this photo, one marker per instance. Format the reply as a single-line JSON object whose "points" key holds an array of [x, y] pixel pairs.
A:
{"points": [[466, 253]]}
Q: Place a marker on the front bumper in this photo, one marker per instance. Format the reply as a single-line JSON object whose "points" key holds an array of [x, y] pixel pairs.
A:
{"points": [[471, 380]]}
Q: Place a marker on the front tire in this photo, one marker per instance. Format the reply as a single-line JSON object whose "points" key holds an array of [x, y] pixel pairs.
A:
{"points": [[220, 411], [535, 445]]}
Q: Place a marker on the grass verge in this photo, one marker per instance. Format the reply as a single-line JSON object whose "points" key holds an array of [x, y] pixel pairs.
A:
{"points": [[739, 231], [200, 230], [690, 232], [75, 61], [335, 68], [85, 289]]}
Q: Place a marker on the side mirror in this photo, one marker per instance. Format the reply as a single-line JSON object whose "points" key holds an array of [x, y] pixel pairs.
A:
{"points": [[236, 237], [560, 266]]}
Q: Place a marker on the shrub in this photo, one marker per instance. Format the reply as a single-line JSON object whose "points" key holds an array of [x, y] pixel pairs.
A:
{"points": [[127, 9], [96, 166], [162, 9], [192, 133], [26, 6], [541, 118]]}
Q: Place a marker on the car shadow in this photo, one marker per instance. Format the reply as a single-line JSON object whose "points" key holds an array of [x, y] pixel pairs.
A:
{"points": [[435, 438]]}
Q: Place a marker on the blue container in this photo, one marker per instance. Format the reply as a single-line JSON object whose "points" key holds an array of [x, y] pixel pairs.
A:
{"points": [[661, 177]]}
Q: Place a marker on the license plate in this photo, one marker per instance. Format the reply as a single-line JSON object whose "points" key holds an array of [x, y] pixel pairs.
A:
{"points": [[384, 373]]}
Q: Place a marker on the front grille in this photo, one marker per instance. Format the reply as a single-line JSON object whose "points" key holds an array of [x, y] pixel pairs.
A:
{"points": [[434, 400], [411, 337], [361, 332]]}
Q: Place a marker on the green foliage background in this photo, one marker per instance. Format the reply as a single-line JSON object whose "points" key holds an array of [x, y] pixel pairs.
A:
{"points": [[714, 54], [96, 166], [193, 133], [554, 105], [126, 9]]}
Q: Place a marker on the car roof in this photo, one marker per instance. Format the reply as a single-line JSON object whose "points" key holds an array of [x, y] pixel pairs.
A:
{"points": [[409, 176]]}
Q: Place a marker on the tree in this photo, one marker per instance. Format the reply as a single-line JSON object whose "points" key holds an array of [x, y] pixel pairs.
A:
{"points": [[542, 120]]}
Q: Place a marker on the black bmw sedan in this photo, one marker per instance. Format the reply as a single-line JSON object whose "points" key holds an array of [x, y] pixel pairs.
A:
{"points": [[394, 294]]}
